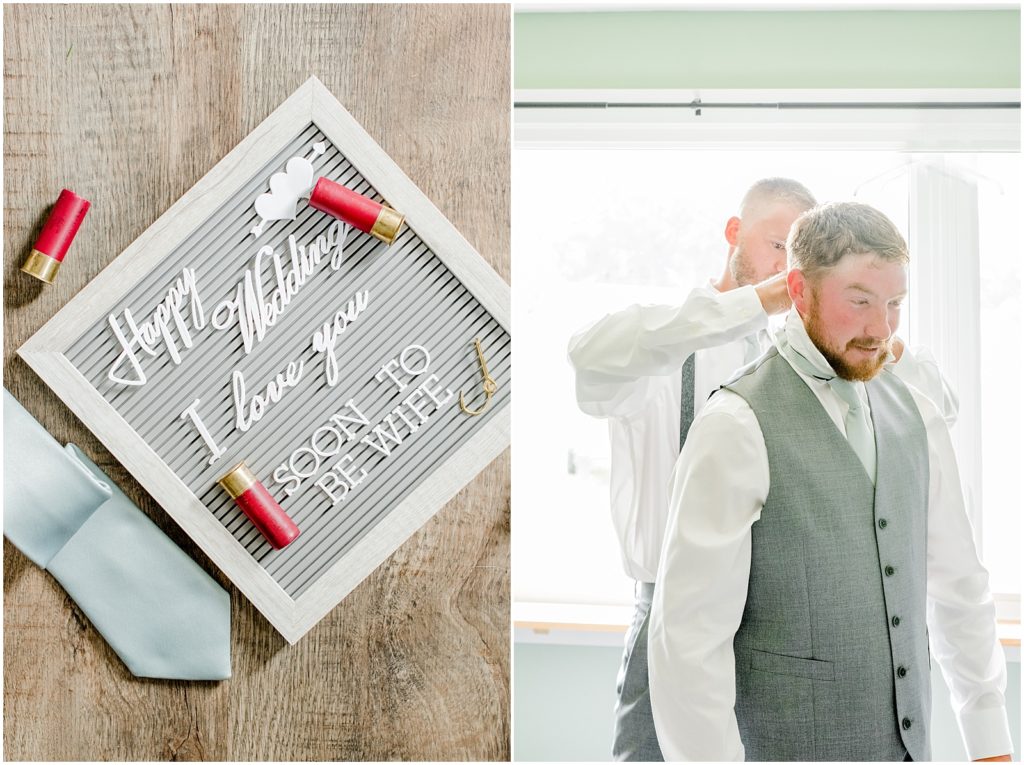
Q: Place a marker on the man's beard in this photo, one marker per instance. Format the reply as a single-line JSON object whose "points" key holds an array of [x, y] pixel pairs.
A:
{"points": [[740, 268], [863, 371]]}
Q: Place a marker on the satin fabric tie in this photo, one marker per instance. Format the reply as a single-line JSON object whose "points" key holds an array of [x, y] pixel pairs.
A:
{"points": [[797, 348], [160, 612]]}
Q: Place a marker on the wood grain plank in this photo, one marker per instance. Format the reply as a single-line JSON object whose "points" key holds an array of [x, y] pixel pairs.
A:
{"points": [[130, 106]]}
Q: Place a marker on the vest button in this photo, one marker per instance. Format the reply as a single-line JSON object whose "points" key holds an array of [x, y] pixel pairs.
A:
{"points": [[895, 621], [889, 571], [882, 523], [907, 723], [902, 671]]}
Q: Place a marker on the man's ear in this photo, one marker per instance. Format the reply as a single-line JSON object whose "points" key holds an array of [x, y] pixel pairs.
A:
{"points": [[799, 290], [732, 231]]}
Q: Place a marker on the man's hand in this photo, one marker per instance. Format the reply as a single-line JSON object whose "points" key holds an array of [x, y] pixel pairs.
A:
{"points": [[774, 294], [1001, 758]]}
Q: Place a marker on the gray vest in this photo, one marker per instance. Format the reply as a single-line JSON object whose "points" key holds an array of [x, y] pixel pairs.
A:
{"points": [[832, 659]]}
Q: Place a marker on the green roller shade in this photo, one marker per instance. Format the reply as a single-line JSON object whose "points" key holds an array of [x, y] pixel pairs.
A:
{"points": [[768, 49]]}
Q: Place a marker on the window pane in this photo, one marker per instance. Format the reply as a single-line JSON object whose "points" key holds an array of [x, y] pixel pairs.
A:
{"points": [[595, 231], [999, 208]]}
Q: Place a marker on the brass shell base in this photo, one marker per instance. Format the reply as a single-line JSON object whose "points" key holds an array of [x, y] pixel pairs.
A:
{"points": [[41, 266], [387, 225], [238, 480]]}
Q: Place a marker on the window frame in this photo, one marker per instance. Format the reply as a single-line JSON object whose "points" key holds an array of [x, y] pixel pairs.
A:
{"points": [[912, 121], [926, 120]]}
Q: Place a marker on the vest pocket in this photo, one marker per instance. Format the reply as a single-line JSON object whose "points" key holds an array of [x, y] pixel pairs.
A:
{"points": [[774, 710], [780, 664]]}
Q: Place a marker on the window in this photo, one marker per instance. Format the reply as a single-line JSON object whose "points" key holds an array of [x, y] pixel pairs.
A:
{"points": [[623, 218]]}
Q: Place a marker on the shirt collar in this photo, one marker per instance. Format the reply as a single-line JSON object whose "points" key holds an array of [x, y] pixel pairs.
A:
{"points": [[793, 338]]}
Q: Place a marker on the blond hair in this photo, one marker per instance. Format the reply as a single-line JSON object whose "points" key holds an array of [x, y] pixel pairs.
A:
{"points": [[824, 234], [774, 190]]}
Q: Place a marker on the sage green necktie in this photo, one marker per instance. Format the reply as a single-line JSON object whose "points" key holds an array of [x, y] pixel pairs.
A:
{"points": [[858, 429], [796, 347], [163, 615]]}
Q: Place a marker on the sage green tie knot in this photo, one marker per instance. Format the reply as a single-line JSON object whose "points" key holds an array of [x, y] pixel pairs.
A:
{"points": [[846, 391]]}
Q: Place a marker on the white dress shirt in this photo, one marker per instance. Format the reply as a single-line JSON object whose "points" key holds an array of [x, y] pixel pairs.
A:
{"points": [[629, 370], [718, 488]]}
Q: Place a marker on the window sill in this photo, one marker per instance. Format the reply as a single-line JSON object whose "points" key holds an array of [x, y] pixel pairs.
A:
{"points": [[605, 625]]}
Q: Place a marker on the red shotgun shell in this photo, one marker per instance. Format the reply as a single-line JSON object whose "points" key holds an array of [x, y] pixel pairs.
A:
{"points": [[261, 508], [355, 209], [58, 233]]}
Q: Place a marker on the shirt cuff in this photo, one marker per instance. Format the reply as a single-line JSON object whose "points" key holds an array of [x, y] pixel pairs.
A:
{"points": [[986, 733], [743, 301]]}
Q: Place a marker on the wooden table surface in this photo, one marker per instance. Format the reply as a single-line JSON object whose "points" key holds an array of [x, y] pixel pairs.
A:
{"points": [[129, 106]]}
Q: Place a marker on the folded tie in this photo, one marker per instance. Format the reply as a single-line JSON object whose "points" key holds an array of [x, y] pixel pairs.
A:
{"points": [[162, 614]]}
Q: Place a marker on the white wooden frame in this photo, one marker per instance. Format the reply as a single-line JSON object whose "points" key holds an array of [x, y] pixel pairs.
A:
{"points": [[45, 353]]}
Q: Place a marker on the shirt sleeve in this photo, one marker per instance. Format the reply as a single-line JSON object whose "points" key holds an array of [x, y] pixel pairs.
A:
{"points": [[920, 369], [615, 357], [961, 611], [701, 590]]}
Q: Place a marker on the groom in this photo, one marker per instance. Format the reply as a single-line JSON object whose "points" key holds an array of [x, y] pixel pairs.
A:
{"points": [[816, 532]]}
